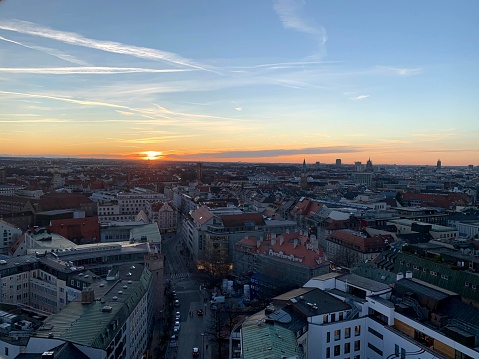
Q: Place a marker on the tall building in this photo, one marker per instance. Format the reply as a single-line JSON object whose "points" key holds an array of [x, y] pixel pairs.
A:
{"points": [[439, 165], [338, 162], [199, 172], [358, 166], [369, 165], [303, 182]]}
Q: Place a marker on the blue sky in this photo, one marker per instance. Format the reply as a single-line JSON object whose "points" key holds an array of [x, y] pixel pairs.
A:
{"points": [[263, 81]]}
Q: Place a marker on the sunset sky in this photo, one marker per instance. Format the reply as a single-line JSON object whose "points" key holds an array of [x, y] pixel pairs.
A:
{"points": [[258, 81]]}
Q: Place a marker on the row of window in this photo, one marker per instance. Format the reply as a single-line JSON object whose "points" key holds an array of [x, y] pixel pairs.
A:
{"points": [[347, 349], [347, 333]]}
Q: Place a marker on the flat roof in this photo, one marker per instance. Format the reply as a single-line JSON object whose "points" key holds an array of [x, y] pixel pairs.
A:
{"points": [[364, 283]]}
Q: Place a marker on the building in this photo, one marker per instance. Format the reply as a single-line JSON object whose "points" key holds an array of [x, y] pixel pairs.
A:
{"points": [[165, 215], [9, 234], [110, 319], [267, 259], [347, 248], [349, 316], [338, 162], [438, 165]]}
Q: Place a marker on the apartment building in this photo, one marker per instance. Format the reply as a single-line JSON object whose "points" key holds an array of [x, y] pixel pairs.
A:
{"points": [[8, 235], [110, 319], [349, 316]]}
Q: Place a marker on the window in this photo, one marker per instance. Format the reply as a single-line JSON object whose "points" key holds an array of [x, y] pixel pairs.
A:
{"points": [[337, 334], [375, 349], [403, 353], [6, 351], [347, 348], [347, 333], [328, 337], [357, 357], [337, 350], [328, 352], [357, 330], [375, 332], [357, 345], [396, 350], [341, 316], [325, 318]]}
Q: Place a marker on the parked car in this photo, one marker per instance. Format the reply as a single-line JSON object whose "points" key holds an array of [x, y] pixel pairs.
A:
{"points": [[173, 341], [177, 316], [200, 312], [177, 326], [196, 353], [177, 303]]}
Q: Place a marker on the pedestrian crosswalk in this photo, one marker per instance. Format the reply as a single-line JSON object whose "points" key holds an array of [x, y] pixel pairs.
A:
{"points": [[179, 275]]}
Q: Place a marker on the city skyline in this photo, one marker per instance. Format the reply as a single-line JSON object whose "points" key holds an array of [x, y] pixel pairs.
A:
{"points": [[277, 81]]}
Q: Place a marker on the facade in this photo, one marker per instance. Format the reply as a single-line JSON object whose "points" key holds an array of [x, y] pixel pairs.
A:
{"points": [[8, 235], [348, 248], [349, 316], [269, 258], [116, 326], [165, 214]]}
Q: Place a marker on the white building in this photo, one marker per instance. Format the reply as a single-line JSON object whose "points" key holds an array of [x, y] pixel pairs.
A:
{"points": [[8, 234]]}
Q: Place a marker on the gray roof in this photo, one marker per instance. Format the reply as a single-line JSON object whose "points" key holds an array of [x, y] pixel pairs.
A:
{"points": [[87, 324], [363, 283], [317, 302], [405, 285]]}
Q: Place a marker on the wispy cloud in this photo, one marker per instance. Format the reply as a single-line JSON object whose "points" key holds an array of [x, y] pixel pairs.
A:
{"points": [[272, 153], [53, 52], [360, 97], [289, 12], [85, 70], [401, 71], [25, 27]]}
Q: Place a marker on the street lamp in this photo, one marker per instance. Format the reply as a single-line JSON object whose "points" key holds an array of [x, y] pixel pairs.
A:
{"points": [[202, 345]]}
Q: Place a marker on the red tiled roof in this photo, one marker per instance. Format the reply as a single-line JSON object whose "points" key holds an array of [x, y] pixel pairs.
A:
{"points": [[202, 215], [287, 248], [361, 243]]}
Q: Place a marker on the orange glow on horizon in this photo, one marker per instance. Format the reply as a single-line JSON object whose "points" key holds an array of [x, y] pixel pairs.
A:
{"points": [[151, 155]]}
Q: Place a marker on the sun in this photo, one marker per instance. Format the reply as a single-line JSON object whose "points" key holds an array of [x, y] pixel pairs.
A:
{"points": [[151, 155]]}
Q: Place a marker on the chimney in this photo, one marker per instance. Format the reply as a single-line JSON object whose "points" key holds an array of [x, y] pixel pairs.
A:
{"points": [[273, 240], [399, 276], [48, 355], [87, 296], [409, 274], [258, 243], [261, 238], [296, 241], [273, 235], [281, 240]]}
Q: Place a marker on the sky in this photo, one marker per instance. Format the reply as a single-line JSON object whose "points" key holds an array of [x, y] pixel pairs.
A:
{"points": [[250, 81]]}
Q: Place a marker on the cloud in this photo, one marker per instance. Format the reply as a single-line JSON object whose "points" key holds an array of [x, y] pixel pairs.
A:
{"points": [[360, 97], [272, 153], [94, 70], [25, 27], [399, 71], [53, 52], [238, 108], [289, 14]]}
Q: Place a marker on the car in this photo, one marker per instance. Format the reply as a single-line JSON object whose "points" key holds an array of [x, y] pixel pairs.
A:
{"points": [[200, 312], [177, 316], [173, 341], [177, 303], [196, 353], [177, 326]]}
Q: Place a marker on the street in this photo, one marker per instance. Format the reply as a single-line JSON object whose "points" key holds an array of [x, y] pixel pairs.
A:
{"points": [[180, 271]]}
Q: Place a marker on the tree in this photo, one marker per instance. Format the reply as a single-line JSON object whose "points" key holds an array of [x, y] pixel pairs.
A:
{"points": [[346, 257]]}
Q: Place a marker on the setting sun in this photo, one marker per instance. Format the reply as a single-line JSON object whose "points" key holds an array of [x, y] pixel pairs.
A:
{"points": [[151, 155]]}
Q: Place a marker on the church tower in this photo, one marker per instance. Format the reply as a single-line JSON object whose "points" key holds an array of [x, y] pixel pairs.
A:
{"points": [[155, 262], [303, 182]]}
